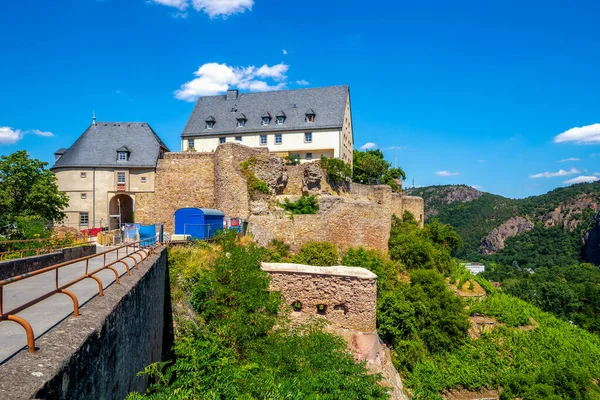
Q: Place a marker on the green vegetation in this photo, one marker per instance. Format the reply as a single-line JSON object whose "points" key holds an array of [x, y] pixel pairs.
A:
{"points": [[526, 353], [337, 170], [304, 205], [292, 160], [370, 167], [28, 194], [254, 183], [237, 347], [320, 254]]}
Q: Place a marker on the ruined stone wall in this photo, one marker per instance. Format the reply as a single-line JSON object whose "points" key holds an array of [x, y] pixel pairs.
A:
{"points": [[397, 205], [349, 223], [416, 206], [231, 189], [344, 296], [182, 180]]}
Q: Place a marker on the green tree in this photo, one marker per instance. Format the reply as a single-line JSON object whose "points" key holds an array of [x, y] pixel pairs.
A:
{"points": [[319, 254], [370, 166], [27, 188]]}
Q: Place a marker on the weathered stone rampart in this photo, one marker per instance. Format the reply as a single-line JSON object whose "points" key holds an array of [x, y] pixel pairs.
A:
{"points": [[351, 214], [344, 296], [99, 354]]}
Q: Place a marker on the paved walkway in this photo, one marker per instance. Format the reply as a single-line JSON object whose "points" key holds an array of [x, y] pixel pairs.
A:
{"points": [[45, 315]]}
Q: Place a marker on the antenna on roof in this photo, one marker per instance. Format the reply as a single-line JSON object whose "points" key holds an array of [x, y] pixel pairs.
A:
{"points": [[94, 117]]}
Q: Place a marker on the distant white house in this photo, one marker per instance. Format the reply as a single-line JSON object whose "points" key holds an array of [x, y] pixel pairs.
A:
{"points": [[475, 268]]}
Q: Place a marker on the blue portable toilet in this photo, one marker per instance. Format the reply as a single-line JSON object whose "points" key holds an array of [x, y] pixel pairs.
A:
{"points": [[199, 223]]}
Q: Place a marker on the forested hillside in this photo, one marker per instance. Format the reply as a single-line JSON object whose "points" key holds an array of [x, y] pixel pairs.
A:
{"points": [[569, 211]]}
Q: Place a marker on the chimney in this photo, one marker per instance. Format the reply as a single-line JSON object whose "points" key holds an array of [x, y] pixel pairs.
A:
{"points": [[232, 94], [94, 118]]}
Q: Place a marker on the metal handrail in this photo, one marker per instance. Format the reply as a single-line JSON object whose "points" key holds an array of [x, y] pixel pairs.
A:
{"points": [[143, 252], [40, 250]]}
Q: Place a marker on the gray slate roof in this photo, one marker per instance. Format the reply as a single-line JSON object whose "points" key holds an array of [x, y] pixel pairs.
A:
{"points": [[98, 146], [328, 104]]}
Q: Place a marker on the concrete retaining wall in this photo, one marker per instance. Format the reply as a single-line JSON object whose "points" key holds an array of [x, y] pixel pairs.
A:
{"points": [[11, 268], [98, 354]]}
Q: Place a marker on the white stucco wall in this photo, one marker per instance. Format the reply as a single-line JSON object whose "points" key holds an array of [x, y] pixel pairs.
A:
{"points": [[323, 142]]}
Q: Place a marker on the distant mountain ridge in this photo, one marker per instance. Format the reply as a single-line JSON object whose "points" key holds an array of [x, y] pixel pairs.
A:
{"points": [[494, 225]]}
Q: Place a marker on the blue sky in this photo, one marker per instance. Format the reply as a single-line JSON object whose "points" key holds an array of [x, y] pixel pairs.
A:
{"points": [[480, 93]]}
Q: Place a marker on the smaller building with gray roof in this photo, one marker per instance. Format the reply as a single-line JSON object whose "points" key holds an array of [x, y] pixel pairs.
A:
{"points": [[304, 123], [103, 171]]}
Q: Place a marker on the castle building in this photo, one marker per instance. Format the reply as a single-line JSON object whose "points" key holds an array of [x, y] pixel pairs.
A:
{"points": [[304, 123], [104, 170]]}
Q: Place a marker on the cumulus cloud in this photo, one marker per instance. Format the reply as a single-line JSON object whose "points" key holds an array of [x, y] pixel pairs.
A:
{"points": [[570, 159], [214, 8], [589, 134], [302, 82], [368, 146], [582, 179], [446, 173], [560, 172], [215, 78], [596, 174], [9, 135]]}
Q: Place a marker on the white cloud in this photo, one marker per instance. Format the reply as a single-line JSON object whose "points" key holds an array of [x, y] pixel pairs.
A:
{"points": [[596, 174], [40, 133], [395, 147], [582, 179], [589, 134], [179, 4], [561, 172], [478, 187], [446, 173], [480, 161], [9, 135], [284, 52], [214, 8], [214, 78], [368, 146], [302, 82], [182, 15], [570, 159]]}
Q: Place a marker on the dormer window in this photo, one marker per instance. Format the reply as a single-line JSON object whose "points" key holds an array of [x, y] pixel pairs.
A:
{"points": [[210, 122], [280, 118], [123, 154], [241, 120], [310, 116], [266, 118]]}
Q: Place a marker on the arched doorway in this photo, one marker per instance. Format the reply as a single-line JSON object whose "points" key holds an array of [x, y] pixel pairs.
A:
{"points": [[122, 205]]}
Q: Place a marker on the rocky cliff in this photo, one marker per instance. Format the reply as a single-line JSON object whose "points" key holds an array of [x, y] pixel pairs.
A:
{"points": [[437, 197]]}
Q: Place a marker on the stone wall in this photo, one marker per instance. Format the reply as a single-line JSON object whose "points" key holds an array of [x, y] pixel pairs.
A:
{"points": [[415, 206], [344, 296], [349, 223], [182, 180], [99, 354], [21, 266]]}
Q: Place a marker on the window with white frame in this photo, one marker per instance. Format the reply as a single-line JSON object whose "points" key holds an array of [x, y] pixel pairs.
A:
{"points": [[84, 219], [143, 179], [122, 156], [120, 177], [278, 138], [83, 196], [309, 156], [210, 124], [308, 137], [190, 143], [266, 120], [241, 122], [83, 175], [280, 120], [222, 140], [263, 140], [238, 138]]}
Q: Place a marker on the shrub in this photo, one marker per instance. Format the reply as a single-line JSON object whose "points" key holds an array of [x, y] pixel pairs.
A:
{"points": [[277, 251], [292, 160], [254, 183], [385, 269], [304, 205], [336, 170], [320, 254]]}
